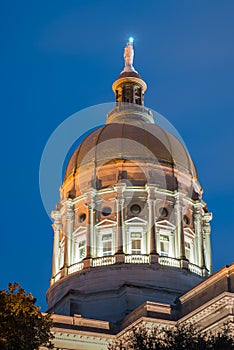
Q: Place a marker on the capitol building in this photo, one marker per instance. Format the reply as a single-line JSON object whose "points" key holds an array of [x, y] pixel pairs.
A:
{"points": [[132, 232]]}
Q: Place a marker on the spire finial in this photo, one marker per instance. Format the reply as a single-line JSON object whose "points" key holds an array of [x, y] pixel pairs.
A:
{"points": [[129, 55]]}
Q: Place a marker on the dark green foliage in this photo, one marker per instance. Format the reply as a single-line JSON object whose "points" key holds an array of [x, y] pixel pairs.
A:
{"points": [[22, 325], [176, 338]]}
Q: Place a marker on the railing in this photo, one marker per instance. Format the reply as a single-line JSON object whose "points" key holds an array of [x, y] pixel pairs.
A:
{"points": [[55, 278], [136, 259], [195, 269], [129, 259], [105, 260], [75, 267], [167, 261]]}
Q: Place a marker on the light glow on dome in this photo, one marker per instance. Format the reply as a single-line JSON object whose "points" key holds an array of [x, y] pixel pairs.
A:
{"points": [[131, 39]]}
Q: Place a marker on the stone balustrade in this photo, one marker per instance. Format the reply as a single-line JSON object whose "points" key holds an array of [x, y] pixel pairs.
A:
{"points": [[105, 260], [167, 261], [128, 259], [75, 267], [137, 259]]}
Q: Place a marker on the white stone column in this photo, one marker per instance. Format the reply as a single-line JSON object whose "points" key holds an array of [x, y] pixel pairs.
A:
{"points": [[57, 227], [206, 229], [180, 246], [199, 234], [120, 188], [151, 222], [68, 233], [90, 219]]}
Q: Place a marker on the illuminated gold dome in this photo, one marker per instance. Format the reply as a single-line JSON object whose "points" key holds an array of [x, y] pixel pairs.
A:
{"points": [[124, 145], [154, 144]]}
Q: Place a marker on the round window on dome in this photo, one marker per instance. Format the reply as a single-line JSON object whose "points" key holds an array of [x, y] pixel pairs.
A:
{"points": [[163, 212], [106, 211], [82, 217], [186, 220], [135, 209]]}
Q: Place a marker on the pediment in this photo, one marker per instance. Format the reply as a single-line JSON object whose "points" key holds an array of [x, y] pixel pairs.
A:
{"points": [[135, 221], [189, 232], [106, 222], [80, 229], [165, 224]]}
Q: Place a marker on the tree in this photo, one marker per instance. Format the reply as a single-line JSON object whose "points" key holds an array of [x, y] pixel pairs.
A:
{"points": [[176, 338], [22, 325]]}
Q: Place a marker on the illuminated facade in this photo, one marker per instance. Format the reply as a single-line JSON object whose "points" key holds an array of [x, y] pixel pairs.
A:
{"points": [[131, 231]]}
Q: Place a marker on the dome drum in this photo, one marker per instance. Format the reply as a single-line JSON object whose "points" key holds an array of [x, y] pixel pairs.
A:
{"points": [[114, 291]]}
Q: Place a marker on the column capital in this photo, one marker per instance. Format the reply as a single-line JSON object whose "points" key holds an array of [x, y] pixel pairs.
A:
{"points": [[198, 206], [56, 215], [179, 196], [90, 196], [120, 187], [207, 217], [151, 189], [57, 225], [69, 202]]}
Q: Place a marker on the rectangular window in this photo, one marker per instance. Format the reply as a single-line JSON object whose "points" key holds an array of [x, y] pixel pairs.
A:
{"points": [[164, 245], [82, 250], [107, 248], [136, 246], [107, 244]]}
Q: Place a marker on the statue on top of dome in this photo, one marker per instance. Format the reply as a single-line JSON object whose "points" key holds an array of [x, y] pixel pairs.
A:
{"points": [[129, 55]]}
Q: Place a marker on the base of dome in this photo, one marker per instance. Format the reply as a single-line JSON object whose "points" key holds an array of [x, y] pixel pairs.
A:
{"points": [[111, 292]]}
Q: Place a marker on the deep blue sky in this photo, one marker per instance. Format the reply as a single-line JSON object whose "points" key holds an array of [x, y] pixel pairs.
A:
{"points": [[58, 57]]}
